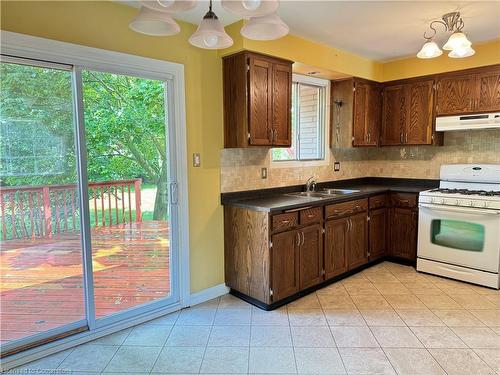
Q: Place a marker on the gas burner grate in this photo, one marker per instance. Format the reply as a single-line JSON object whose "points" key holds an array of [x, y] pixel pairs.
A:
{"points": [[483, 193]]}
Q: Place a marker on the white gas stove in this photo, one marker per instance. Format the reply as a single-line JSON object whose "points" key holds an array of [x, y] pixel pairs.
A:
{"points": [[459, 225]]}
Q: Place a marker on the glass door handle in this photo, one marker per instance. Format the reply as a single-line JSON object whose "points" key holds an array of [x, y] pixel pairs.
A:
{"points": [[174, 193]]}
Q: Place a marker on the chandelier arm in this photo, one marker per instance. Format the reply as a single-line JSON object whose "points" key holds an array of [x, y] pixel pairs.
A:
{"points": [[433, 28]]}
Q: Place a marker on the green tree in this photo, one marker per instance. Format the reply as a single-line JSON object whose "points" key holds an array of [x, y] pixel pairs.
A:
{"points": [[124, 126]]}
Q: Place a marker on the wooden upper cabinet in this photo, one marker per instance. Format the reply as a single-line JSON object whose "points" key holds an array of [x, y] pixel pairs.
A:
{"points": [[407, 114], [393, 115], [473, 92], [488, 92], [260, 101], [419, 124], [366, 113], [281, 107], [455, 95], [257, 100]]}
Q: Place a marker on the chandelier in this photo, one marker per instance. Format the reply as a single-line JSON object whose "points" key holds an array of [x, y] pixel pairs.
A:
{"points": [[263, 23], [458, 44]]}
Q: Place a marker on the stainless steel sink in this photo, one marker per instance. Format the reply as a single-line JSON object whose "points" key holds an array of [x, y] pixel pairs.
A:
{"points": [[308, 194], [337, 191]]}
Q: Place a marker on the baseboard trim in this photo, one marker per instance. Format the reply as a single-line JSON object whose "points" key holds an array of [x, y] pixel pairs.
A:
{"points": [[208, 294]]}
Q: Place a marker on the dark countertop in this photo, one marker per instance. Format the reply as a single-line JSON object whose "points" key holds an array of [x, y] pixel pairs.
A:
{"points": [[279, 199]]}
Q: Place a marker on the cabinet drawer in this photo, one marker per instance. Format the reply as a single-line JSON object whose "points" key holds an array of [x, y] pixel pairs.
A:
{"points": [[311, 215], [286, 220], [404, 200], [346, 208], [377, 201]]}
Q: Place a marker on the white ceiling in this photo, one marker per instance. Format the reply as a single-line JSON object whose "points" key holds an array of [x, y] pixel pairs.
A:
{"points": [[380, 30]]}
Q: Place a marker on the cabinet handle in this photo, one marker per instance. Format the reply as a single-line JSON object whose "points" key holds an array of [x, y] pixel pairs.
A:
{"points": [[406, 137], [369, 137], [298, 238], [285, 222], [310, 216], [303, 238], [401, 137], [270, 136]]}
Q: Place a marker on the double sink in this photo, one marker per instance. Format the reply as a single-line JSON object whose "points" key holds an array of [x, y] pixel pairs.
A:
{"points": [[323, 193]]}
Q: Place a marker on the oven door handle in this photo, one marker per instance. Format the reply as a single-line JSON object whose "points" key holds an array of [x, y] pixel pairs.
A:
{"points": [[471, 210]]}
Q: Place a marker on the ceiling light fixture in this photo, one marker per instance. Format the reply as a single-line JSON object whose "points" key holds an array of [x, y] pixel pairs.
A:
{"points": [[170, 6], [210, 33], [269, 27], [154, 23], [457, 43], [251, 8]]}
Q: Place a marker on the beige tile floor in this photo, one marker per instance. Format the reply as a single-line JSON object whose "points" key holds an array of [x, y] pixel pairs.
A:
{"points": [[387, 319]]}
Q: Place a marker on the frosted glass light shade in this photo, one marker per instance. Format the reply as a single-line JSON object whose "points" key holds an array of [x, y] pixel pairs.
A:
{"points": [[268, 27], [251, 8], [154, 23], [459, 53], [457, 40], [210, 34], [169, 6], [429, 50]]}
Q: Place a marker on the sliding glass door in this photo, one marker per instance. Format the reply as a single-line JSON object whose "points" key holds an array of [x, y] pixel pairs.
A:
{"points": [[88, 213], [41, 270], [128, 175]]}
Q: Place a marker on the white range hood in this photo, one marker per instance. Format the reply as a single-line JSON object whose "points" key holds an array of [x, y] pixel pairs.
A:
{"points": [[468, 122]]}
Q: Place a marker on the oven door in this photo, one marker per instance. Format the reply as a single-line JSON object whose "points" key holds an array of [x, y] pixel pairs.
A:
{"points": [[469, 237]]}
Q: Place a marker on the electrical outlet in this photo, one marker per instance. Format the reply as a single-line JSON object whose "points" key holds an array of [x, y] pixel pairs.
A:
{"points": [[196, 160], [263, 173], [336, 166]]}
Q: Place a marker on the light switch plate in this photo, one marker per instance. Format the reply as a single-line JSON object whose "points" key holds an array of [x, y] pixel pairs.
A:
{"points": [[336, 166], [263, 173], [196, 160]]}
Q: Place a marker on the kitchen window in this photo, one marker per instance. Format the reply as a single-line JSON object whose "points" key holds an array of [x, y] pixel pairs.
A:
{"points": [[309, 121]]}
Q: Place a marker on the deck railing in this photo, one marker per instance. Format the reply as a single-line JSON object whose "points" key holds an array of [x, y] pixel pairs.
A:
{"points": [[43, 211]]}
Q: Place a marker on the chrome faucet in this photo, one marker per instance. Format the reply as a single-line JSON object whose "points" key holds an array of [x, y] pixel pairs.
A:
{"points": [[310, 184]]}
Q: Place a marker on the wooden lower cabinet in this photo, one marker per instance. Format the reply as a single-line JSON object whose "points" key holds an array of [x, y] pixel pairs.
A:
{"points": [[403, 233], [310, 256], [377, 233], [357, 241], [271, 257], [335, 247], [284, 265]]}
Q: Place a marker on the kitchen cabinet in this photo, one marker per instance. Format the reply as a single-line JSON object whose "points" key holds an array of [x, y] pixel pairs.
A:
{"points": [[346, 236], [377, 232], [366, 118], [284, 265], [466, 93], [335, 247], [310, 252], [356, 122], [257, 100], [407, 114], [403, 226]]}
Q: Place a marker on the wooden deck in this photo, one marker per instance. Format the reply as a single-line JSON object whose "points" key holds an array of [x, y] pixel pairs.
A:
{"points": [[42, 282]]}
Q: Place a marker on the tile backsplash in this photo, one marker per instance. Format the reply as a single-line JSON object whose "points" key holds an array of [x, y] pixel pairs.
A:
{"points": [[240, 168]]}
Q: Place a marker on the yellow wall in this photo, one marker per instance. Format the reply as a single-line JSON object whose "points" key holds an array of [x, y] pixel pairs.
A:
{"points": [[105, 25], [486, 54], [298, 49]]}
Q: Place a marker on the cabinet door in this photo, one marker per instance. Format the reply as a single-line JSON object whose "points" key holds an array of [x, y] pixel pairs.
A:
{"points": [[403, 233], [393, 115], [260, 101], [335, 247], [284, 265], [357, 243], [359, 130], [281, 105], [373, 114], [455, 95], [311, 256], [489, 92], [419, 124], [377, 233]]}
